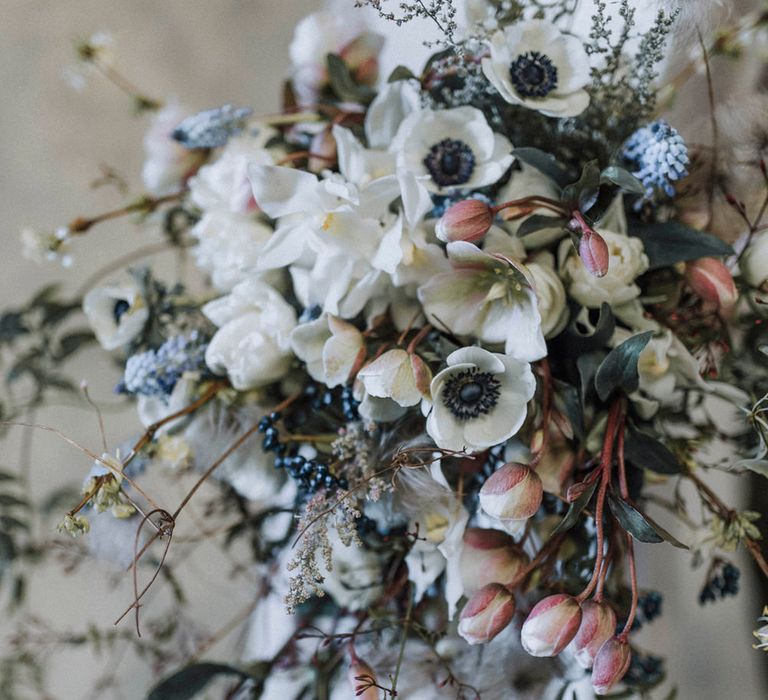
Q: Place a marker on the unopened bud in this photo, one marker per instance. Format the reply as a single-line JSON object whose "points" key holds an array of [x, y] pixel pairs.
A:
{"points": [[611, 663], [576, 491], [486, 614], [468, 220], [712, 281], [363, 680], [551, 625], [598, 624], [513, 492], [593, 251], [490, 556]]}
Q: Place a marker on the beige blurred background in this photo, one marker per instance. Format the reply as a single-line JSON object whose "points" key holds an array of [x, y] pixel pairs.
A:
{"points": [[52, 140]]}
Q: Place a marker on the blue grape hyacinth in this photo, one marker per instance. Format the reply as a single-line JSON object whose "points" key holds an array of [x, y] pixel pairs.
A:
{"points": [[156, 372], [658, 156]]}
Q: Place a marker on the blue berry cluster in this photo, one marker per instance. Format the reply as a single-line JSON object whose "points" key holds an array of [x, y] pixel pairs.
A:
{"points": [[155, 372], [211, 128], [721, 584], [659, 157], [645, 670]]}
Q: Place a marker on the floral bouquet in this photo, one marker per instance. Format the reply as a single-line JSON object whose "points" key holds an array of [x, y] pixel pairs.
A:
{"points": [[464, 325]]}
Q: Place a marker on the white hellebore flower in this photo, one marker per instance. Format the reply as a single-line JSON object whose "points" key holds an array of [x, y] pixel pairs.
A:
{"points": [[252, 345], [330, 348], [534, 65], [754, 262], [117, 313], [550, 293], [479, 400], [627, 261], [451, 148], [487, 296], [398, 375]]}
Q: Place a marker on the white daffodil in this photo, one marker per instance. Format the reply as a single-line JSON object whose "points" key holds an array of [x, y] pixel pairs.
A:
{"points": [[451, 149], [627, 261], [117, 313], [487, 296], [534, 65], [479, 400], [398, 375], [167, 164], [229, 246], [330, 348], [252, 345]]}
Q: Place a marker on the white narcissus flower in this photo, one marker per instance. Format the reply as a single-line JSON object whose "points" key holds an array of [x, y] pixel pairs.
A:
{"points": [[550, 294], [487, 296], [167, 164], [627, 261], [754, 262], [479, 400], [330, 348], [252, 345], [117, 313], [398, 375], [451, 149], [534, 65]]}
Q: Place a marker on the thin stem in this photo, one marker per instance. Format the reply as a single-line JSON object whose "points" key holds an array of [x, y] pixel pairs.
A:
{"points": [[624, 490], [145, 205]]}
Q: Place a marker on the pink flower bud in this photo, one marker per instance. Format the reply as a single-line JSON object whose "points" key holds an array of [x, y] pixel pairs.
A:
{"points": [[490, 556], [486, 614], [712, 281], [593, 251], [361, 677], [465, 221], [598, 624], [611, 663], [551, 625], [513, 492]]}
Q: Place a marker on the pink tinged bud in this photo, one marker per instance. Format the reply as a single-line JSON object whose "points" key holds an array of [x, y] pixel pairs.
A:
{"points": [[551, 625], [323, 151], [422, 375], [611, 663], [490, 556], [513, 492], [593, 251], [598, 624], [362, 678], [712, 281], [486, 614], [469, 221]]}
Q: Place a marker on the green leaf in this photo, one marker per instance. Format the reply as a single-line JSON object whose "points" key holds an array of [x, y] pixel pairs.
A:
{"points": [[537, 222], [619, 368], [646, 452], [568, 402], [588, 365], [7, 523], [8, 501], [573, 343], [633, 521], [673, 242], [574, 510], [72, 342], [544, 162], [343, 83], [7, 476], [401, 73], [622, 178], [585, 191], [188, 682], [664, 534]]}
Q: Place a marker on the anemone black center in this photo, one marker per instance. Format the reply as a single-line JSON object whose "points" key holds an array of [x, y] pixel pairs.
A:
{"points": [[450, 162], [471, 393], [120, 307], [533, 74]]}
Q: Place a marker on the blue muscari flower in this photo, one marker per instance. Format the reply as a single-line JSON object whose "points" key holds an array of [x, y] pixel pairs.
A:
{"points": [[211, 128], [659, 157], [155, 372]]}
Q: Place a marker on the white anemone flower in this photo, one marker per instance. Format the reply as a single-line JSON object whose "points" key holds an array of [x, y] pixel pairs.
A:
{"points": [[117, 313], [534, 65], [451, 149], [487, 296], [479, 400]]}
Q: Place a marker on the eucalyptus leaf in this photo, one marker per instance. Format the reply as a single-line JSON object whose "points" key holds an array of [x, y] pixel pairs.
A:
{"points": [[568, 402], [72, 342], [619, 368], [585, 191], [646, 452], [545, 163], [401, 73], [343, 83], [8, 501], [188, 682], [537, 222], [573, 343], [633, 521], [622, 178], [574, 510], [672, 242]]}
